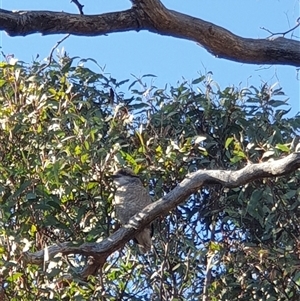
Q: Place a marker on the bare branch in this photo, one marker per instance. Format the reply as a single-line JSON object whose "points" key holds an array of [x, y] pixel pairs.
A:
{"points": [[151, 15]]}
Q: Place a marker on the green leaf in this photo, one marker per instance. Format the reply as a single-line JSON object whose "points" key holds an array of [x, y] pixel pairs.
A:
{"points": [[228, 142], [30, 196], [77, 150], [21, 189], [276, 103], [198, 80], [283, 148], [14, 277], [54, 205], [32, 230], [2, 82]]}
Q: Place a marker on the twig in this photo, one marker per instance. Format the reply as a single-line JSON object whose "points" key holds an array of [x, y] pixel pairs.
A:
{"points": [[51, 52], [282, 33], [80, 6]]}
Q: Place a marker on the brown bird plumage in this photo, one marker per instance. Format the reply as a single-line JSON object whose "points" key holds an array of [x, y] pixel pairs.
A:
{"points": [[130, 198]]}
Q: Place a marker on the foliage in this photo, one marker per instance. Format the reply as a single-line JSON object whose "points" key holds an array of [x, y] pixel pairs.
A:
{"points": [[65, 128]]}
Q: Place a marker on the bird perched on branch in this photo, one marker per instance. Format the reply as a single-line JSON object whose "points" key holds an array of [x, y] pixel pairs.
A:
{"points": [[130, 198]]}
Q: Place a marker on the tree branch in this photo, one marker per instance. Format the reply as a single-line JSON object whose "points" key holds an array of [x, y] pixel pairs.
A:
{"points": [[151, 15], [192, 183], [23, 23]]}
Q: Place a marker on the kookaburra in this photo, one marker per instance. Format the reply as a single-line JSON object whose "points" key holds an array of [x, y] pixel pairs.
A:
{"points": [[130, 198]]}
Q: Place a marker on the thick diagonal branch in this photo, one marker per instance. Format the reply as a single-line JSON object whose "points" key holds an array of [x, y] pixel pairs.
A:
{"points": [[192, 183]]}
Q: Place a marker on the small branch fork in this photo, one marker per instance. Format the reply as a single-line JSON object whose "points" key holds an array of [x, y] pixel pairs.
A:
{"points": [[282, 33], [79, 6]]}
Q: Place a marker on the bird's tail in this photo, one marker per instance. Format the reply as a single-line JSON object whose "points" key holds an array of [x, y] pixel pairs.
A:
{"points": [[144, 240]]}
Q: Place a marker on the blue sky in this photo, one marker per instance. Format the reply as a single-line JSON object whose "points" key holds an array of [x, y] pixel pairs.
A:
{"points": [[170, 59]]}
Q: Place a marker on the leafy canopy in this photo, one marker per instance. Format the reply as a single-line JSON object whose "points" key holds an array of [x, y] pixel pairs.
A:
{"points": [[63, 130]]}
